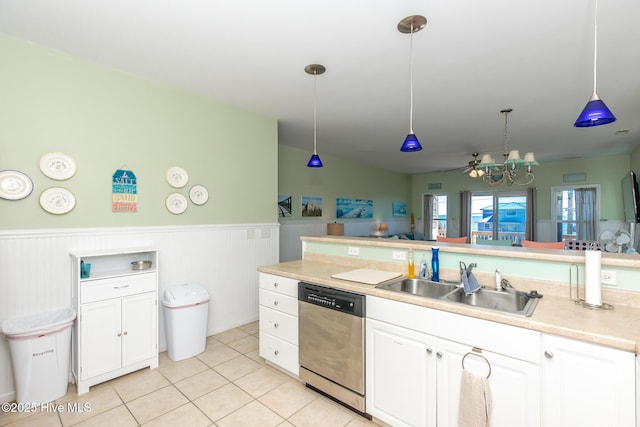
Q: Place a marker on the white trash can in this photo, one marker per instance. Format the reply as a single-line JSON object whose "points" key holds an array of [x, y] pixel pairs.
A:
{"points": [[40, 348], [186, 308]]}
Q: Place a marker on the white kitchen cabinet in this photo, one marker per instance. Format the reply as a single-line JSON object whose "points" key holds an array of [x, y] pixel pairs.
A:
{"points": [[514, 385], [401, 375], [116, 331], [413, 373], [278, 298], [586, 384]]}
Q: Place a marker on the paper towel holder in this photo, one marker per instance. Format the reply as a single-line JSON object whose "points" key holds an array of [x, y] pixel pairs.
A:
{"points": [[580, 301]]}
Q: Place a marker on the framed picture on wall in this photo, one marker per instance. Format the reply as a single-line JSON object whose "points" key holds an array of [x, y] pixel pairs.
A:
{"points": [[284, 205], [311, 206], [399, 209], [354, 208]]}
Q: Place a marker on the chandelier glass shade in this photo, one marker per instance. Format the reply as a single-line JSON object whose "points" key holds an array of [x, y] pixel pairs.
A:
{"points": [[513, 169]]}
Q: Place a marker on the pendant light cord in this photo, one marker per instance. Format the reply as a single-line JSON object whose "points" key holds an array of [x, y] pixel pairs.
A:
{"points": [[315, 151], [595, 46], [411, 80]]}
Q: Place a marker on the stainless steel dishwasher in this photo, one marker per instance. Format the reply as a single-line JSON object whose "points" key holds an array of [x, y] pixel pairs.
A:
{"points": [[331, 343]]}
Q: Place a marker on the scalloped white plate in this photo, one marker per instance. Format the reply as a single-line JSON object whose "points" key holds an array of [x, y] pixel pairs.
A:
{"points": [[176, 203], [198, 195], [57, 200], [177, 177], [14, 185], [57, 166]]}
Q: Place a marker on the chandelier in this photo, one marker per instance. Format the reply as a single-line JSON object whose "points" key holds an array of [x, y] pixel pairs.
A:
{"points": [[513, 170]]}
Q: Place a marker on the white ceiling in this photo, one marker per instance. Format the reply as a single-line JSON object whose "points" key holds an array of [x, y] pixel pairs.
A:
{"points": [[472, 60]]}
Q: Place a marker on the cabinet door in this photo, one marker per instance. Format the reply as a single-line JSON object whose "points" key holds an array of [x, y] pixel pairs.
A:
{"points": [[100, 335], [514, 386], [139, 314], [586, 384], [400, 371]]}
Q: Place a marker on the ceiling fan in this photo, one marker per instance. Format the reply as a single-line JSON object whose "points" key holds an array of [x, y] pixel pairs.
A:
{"points": [[472, 168]]}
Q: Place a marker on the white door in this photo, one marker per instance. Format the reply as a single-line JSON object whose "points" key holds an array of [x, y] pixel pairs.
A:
{"points": [[586, 384], [401, 380], [139, 334], [100, 335], [514, 386]]}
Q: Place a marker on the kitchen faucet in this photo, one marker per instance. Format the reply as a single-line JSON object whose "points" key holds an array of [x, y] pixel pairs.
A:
{"points": [[469, 281]]}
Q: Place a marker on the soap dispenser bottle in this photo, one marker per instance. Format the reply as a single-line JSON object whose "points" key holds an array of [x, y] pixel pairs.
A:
{"points": [[435, 264], [411, 273], [423, 267]]}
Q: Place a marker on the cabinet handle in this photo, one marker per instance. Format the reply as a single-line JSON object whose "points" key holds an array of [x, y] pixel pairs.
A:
{"points": [[125, 333], [275, 302], [276, 352], [439, 354], [275, 325], [121, 287], [548, 354], [429, 350], [275, 284], [119, 334]]}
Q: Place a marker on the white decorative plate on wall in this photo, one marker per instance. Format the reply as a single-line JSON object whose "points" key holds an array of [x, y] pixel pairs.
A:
{"points": [[57, 200], [198, 195], [57, 166], [176, 203], [177, 177], [14, 185]]}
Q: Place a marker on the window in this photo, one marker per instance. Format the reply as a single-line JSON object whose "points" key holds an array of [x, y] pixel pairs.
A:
{"points": [[435, 215], [500, 216], [575, 211]]}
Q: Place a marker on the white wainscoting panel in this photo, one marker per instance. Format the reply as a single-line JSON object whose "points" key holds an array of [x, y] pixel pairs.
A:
{"points": [[35, 271]]}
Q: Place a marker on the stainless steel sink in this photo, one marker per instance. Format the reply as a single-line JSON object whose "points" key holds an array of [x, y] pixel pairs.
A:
{"points": [[508, 301], [420, 287]]}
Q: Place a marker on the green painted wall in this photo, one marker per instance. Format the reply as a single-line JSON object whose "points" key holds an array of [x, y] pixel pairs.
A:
{"points": [[635, 160], [339, 178], [606, 171], [105, 120]]}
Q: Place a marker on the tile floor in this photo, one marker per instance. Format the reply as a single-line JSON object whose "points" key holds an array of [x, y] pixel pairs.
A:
{"points": [[227, 385]]}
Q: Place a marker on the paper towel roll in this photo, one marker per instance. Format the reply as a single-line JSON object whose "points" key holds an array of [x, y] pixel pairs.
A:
{"points": [[335, 229], [592, 289]]}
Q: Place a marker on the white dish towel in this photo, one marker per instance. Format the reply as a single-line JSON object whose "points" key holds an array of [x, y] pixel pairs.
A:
{"points": [[474, 408]]}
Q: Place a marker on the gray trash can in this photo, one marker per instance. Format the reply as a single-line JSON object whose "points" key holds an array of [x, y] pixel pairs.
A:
{"points": [[40, 348], [186, 309]]}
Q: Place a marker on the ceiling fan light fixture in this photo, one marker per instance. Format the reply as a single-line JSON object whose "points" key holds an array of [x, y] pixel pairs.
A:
{"points": [[314, 70], [409, 25], [596, 112]]}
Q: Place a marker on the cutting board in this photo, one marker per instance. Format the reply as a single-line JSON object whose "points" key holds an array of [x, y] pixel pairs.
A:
{"points": [[365, 275]]}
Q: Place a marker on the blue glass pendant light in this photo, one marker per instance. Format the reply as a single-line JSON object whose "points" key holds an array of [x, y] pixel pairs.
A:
{"points": [[595, 113], [314, 69], [409, 25]]}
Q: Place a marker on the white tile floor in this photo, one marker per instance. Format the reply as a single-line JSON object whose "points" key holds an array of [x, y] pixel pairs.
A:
{"points": [[227, 385]]}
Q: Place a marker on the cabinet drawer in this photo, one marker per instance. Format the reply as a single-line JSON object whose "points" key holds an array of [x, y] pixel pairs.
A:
{"points": [[279, 302], [280, 353], [278, 324], [282, 285], [101, 289]]}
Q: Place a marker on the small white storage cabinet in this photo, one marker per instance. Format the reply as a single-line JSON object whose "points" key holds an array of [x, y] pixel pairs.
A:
{"points": [[279, 321], [116, 331]]}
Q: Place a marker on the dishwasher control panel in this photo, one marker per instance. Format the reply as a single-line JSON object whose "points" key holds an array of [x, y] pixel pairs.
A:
{"points": [[331, 298]]}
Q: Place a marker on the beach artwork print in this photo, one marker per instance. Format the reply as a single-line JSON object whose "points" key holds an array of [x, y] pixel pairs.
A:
{"points": [[399, 209], [311, 206], [284, 205], [354, 208]]}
